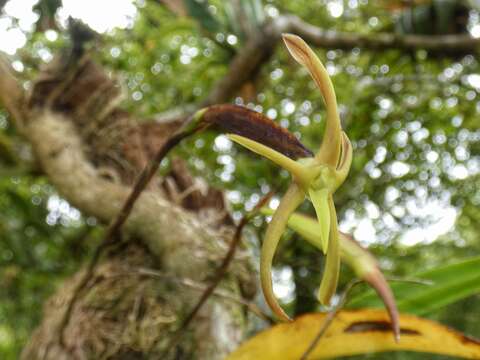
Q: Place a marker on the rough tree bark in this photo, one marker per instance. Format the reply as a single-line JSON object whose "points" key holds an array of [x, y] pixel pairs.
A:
{"points": [[91, 151]]}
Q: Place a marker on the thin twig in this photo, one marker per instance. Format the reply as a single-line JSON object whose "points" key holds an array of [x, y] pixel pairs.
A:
{"points": [[425, 282], [252, 307], [330, 317], [114, 228], [341, 303], [219, 274]]}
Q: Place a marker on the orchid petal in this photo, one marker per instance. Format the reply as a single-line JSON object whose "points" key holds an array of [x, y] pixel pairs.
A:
{"points": [[296, 169], [331, 270], [319, 200], [293, 197], [345, 160], [304, 55]]}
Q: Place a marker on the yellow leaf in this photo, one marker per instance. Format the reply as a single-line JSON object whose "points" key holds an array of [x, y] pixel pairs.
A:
{"points": [[353, 333]]}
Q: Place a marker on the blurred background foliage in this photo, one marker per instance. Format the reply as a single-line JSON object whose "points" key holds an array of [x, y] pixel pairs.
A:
{"points": [[413, 193]]}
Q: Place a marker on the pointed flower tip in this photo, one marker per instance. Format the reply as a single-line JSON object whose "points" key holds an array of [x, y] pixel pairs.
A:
{"points": [[376, 280], [305, 56], [287, 37], [298, 48], [293, 40], [322, 299], [397, 337]]}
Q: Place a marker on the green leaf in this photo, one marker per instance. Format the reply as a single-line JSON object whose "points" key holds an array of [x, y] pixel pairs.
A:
{"points": [[449, 284]]}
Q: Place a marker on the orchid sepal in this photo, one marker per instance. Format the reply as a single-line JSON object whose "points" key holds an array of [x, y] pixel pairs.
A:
{"points": [[298, 171], [304, 55], [291, 200]]}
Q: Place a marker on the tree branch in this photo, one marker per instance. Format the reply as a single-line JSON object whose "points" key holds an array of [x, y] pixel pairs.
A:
{"points": [[180, 242], [251, 306], [219, 274], [442, 44], [2, 5], [259, 48], [11, 94], [116, 224], [245, 65]]}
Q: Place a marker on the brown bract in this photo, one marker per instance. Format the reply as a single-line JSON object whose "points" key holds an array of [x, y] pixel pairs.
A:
{"points": [[242, 121]]}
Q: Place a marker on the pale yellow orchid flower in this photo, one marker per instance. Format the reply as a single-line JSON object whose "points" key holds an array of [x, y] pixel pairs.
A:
{"points": [[316, 178]]}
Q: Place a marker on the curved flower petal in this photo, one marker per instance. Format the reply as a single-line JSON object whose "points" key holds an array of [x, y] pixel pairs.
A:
{"points": [[320, 200], [293, 197], [295, 168], [304, 55], [345, 162], [331, 270]]}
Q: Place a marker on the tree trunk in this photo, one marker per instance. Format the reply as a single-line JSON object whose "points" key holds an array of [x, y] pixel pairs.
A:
{"points": [[170, 246]]}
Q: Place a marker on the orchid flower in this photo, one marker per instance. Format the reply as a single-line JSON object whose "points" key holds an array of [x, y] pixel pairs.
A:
{"points": [[315, 178], [363, 263]]}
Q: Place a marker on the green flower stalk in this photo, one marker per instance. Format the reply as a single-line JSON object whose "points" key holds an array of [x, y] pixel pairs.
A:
{"points": [[315, 178]]}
